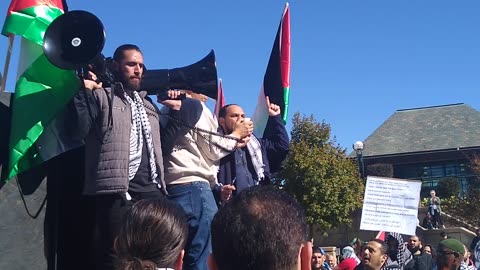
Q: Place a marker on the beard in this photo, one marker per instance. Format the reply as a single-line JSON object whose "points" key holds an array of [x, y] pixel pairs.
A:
{"points": [[414, 249], [131, 83]]}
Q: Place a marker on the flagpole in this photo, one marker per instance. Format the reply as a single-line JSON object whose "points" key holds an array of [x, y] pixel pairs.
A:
{"points": [[11, 38]]}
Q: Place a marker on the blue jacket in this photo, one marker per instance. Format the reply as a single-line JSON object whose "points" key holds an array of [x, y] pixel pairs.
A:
{"points": [[274, 146]]}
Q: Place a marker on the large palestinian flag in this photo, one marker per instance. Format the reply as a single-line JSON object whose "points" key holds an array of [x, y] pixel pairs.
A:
{"points": [[276, 82], [42, 90]]}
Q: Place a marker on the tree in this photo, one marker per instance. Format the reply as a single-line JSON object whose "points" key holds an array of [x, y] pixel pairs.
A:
{"points": [[465, 207], [448, 187], [319, 174]]}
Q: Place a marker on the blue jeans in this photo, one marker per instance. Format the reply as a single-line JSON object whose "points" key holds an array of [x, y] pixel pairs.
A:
{"points": [[196, 199]]}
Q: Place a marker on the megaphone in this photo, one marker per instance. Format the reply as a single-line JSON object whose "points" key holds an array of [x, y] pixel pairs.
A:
{"points": [[74, 39], [200, 77]]}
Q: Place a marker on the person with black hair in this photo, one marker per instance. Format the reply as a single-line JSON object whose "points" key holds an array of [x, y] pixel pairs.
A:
{"points": [[123, 155], [261, 228], [152, 235], [418, 260], [374, 255], [256, 161], [191, 165]]}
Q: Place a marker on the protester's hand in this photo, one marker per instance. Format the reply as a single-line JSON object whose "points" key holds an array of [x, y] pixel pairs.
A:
{"points": [[273, 109], [226, 192], [172, 101], [243, 142], [306, 256], [91, 82], [242, 128]]}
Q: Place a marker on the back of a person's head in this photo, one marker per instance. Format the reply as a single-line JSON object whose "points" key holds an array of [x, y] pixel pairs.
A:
{"points": [[152, 235], [261, 228]]}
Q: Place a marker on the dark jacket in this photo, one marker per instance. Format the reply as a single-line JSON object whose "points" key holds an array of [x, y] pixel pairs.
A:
{"points": [[419, 262], [104, 121], [274, 147]]}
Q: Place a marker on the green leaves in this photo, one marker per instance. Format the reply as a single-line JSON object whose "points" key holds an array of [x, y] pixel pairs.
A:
{"points": [[318, 173]]}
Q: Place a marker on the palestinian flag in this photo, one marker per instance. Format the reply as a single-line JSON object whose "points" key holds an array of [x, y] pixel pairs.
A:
{"points": [[276, 82], [42, 90], [220, 101]]}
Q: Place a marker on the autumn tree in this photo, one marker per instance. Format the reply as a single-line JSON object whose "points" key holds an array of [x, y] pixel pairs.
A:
{"points": [[319, 174]]}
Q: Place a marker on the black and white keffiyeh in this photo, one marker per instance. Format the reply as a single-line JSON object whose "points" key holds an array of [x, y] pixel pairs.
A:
{"points": [[140, 129], [255, 151]]}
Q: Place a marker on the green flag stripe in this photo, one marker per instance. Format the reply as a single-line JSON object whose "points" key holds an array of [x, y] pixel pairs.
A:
{"points": [[41, 92], [286, 99], [31, 23]]}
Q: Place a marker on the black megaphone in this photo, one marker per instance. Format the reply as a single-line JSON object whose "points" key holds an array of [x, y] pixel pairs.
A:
{"points": [[74, 39], [200, 77]]}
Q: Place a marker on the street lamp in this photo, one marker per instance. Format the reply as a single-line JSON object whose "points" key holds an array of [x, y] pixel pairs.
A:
{"points": [[358, 147]]}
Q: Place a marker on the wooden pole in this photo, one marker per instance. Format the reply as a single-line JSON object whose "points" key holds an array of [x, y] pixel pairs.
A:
{"points": [[11, 37]]}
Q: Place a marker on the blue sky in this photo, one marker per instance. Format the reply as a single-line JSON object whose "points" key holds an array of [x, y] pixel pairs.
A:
{"points": [[354, 63]]}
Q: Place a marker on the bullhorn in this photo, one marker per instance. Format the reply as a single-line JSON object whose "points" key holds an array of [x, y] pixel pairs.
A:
{"points": [[74, 39], [200, 77]]}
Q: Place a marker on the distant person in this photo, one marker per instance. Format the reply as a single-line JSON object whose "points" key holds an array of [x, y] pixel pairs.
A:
{"points": [[427, 222], [467, 263], [349, 259], [435, 209], [261, 228], [428, 249], [152, 236], [450, 254], [476, 253], [374, 255], [397, 251], [418, 260], [444, 235], [331, 260], [348, 252], [318, 259], [475, 240], [357, 244]]}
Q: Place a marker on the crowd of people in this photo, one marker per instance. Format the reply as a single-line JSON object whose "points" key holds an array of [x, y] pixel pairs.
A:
{"points": [[176, 188], [394, 253]]}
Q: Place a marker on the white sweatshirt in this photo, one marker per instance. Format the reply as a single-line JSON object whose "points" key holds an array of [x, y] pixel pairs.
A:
{"points": [[197, 154]]}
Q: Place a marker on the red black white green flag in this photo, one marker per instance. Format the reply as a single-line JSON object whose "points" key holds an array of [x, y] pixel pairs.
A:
{"points": [[276, 82], [42, 90]]}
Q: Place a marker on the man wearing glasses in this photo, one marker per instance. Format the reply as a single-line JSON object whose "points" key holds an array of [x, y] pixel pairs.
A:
{"points": [[450, 254]]}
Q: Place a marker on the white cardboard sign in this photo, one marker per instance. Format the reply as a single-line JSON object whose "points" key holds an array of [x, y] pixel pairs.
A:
{"points": [[391, 205]]}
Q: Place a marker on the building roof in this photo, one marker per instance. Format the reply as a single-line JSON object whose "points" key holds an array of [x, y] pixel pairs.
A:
{"points": [[425, 129]]}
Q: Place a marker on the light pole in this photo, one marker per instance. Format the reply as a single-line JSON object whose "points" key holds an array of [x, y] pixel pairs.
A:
{"points": [[358, 147]]}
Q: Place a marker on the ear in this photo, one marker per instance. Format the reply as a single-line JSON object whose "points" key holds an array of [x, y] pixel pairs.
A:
{"points": [[179, 262], [212, 264], [221, 122], [384, 259]]}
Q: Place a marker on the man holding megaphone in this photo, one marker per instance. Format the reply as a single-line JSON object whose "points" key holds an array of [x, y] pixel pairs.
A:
{"points": [[123, 155]]}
